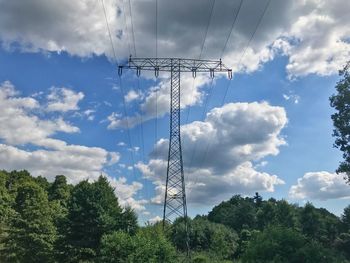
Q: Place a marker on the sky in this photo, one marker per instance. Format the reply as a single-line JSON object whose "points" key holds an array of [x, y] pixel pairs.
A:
{"points": [[65, 110]]}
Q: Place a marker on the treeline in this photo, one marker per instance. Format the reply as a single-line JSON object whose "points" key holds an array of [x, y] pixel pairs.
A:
{"points": [[59, 222]]}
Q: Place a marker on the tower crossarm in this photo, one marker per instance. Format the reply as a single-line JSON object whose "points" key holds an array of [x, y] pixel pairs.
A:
{"points": [[182, 64]]}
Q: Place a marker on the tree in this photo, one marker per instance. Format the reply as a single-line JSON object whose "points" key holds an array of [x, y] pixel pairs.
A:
{"points": [[152, 246], [148, 245], [15, 179], [341, 119], [237, 213], [42, 182], [93, 211], [285, 245], [33, 233], [59, 190], [345, 219], [116, 247], [257, 199], [285, 214], [310, 221], [214, 238], [266, 214], [342, 243], [6, 211], [129, 221]]}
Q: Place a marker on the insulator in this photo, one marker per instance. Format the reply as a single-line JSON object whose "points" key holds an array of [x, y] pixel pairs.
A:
{"points": [[212, 73], [156, 72], [120, 70], [229, 73], [138, 71], [194, 72]]}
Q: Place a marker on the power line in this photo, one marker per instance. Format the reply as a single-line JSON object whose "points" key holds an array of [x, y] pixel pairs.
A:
{"points": [[202, 47], [248, 44], [208, 24], [202, 117], [255, 30], [126, 27], [109, 32], [156, 117], [211, 84], [122, 90], [242, 55], [156, 28], [132, 29], [141, 125], [232, 26]]}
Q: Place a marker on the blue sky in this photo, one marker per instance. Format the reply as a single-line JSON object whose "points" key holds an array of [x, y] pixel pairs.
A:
{"points": [[62, 104]]}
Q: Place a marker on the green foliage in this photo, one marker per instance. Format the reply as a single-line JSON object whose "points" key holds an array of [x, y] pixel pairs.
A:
{"points": [[60, 190], [32, 233], [310, 221], [342, 242], [285, 214], [281, 244], [205, 236], [237, 213], [93, 211], [148, 245], [345, 219], [56, 222], [6, 211], [341, 119], [116, 247], [129, 221]]}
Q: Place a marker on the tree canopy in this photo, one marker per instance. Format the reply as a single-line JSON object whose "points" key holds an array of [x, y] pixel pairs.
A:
{"points": [[43, 221], [341, 119]]}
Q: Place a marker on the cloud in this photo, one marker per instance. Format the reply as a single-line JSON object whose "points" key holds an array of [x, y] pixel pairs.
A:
{"points": [[75, 27], [114, 157], [19, 124], [292, 97], [63, 100], [121, 144], [320, 185], [89, 114], [160, 95], [313, 34], [132, 95], [26, 142], [155, 219], [126, 193], [226, 144]]}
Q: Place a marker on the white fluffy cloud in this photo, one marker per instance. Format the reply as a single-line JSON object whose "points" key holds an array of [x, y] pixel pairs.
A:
{"points": [[126, 193], [63, 100], [314, 34], [226, 143], [19, 124], [132, 95], [320, 185], [160, 95], [27, 143]]}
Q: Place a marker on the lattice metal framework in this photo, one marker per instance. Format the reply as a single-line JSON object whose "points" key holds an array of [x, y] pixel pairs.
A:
{"points": [[175, 194]]}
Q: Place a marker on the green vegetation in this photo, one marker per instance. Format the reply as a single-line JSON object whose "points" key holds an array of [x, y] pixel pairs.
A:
{"points": [[341, 119], [57, 222]]}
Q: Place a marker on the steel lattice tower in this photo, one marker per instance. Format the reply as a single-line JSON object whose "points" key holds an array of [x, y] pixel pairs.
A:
{"points": [[175, 194]]}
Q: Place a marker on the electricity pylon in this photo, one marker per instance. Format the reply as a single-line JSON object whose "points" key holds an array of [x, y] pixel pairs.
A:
{"points": [[175, 194]]}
